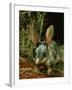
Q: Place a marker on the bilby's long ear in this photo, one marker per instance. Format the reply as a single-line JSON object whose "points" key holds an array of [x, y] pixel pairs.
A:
{"points": [[34, 34], [49, 34]]}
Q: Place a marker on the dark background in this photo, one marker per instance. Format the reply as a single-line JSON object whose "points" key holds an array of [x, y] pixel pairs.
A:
{"points": [[56, 19]]}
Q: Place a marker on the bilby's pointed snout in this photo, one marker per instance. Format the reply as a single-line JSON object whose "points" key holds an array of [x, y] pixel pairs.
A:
{"points": [[37, 61]]}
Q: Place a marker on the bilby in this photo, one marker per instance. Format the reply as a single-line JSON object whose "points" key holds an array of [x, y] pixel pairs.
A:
{"points": [[45, 51]]}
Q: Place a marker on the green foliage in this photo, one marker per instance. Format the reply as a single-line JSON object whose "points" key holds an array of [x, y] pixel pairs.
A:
{"points": [[26, 18]]}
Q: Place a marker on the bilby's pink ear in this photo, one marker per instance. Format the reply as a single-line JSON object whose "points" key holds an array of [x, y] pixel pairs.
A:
{"points": [[34, 35], [49, 34]]}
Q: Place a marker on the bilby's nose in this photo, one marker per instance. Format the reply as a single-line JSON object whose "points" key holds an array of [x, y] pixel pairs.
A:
{"points": [[37, 60]]}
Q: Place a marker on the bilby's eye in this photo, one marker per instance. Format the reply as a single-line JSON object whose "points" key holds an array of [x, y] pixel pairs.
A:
{"points": [[38, 43]]}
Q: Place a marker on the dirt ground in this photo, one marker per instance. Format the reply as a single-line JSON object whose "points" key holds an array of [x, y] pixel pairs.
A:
{"points": [[28, 70]]}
